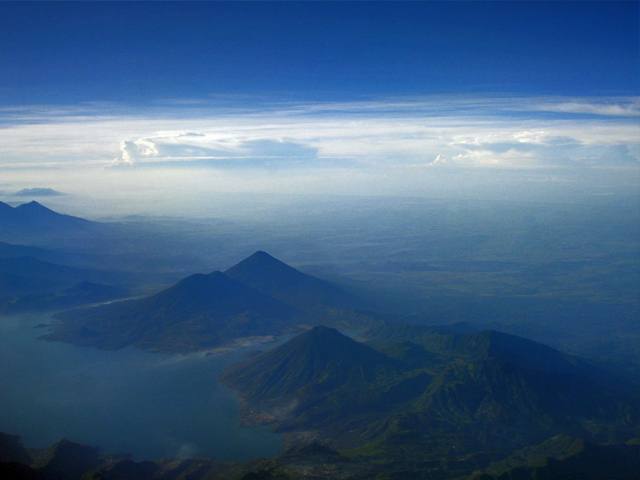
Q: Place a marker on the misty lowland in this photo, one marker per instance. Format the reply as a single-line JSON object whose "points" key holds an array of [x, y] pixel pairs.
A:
{"points": [[321, 337]]}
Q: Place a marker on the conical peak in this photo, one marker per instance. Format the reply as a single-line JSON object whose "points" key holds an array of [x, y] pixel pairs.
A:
{"points": [[261, 254], [323, 330], [35, 207], [262, 257], [32, 205], [326, 336], [260, 264]]}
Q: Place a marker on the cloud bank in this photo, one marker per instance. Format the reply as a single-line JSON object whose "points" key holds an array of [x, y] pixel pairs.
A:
{"points": [[391, 146]]}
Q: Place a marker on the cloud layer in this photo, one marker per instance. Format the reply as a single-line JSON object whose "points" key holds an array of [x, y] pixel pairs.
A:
{"points": [[395, 146]]}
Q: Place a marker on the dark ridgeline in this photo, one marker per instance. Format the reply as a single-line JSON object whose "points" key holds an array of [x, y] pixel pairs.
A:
{"points": [[33, 217]]}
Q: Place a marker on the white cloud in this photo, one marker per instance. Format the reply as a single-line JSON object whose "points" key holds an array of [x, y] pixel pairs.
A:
{"points": [[391, 134]]}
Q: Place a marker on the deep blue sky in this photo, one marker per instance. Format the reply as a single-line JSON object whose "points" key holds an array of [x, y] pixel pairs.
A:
{"points": [[130, 52]]}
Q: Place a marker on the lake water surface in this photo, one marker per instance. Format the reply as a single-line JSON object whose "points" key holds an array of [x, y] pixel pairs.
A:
{"points": [[126, 401]]}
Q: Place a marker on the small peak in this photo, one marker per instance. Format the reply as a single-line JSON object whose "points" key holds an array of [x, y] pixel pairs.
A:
{"points": [[323, 328], [261, 255], [32, 205], [260, 261], [322, 331]]}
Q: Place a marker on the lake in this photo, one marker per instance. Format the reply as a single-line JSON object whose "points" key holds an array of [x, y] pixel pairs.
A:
{"points": [[126, 401]]}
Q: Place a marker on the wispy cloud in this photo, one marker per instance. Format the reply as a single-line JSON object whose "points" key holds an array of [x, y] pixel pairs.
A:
{"points": [[611, 108]]}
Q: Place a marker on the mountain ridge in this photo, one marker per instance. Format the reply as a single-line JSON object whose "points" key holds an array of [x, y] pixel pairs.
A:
{"points": [[34, 217], [205, 310], [199, 312], [454, 392]]}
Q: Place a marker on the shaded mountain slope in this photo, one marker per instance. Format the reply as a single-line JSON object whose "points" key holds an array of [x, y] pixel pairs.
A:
{"points": [[200, 311], [490, 344]]}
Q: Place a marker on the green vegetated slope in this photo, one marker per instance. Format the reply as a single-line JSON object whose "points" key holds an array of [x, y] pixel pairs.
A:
{"points": [[467, 394]]}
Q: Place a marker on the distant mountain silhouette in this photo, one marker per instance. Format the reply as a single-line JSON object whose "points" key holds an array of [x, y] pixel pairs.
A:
{"points": [[38, 192], [200, 311], [82, 294], [47, 273], [69, 257], [34, 217], [278, 280]]}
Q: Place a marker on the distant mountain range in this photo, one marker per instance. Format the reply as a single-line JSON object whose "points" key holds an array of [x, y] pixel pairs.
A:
{"points": [[83, 293], [27, 275], [38, 192], [259, 296], [70, 258], [33, 217]]}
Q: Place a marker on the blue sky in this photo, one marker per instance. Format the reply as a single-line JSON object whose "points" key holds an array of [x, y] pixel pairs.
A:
{"points": [[109, 51], [326, 97]]}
